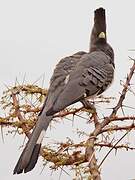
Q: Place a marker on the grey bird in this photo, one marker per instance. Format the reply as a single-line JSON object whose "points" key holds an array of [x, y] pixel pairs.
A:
{"points": [[75, 78]]}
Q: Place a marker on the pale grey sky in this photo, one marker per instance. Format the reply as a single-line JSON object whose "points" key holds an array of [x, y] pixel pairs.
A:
{"points": [[34, 36]]}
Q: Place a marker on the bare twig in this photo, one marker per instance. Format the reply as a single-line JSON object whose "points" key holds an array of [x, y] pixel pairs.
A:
{"points": [[113, 148]]}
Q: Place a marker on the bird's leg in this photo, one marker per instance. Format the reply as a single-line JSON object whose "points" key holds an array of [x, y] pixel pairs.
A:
{"points": [[91, 109], [87, 105]]}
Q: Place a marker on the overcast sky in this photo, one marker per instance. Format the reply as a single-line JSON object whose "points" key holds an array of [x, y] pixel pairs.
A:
{"points": [[35, 35]]}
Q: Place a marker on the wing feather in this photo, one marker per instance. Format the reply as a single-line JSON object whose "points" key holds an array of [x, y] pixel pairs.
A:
{"points": [[91, 76]]}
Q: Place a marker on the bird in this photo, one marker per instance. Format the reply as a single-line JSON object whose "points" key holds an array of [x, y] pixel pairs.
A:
{"points": [[75, 78]]}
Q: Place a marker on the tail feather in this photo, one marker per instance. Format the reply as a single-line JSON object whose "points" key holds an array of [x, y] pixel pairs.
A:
{"points": [[19, 166], [34, 158], [29, 156]]}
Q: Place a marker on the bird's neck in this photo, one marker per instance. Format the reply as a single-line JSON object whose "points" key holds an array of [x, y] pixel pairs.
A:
{"points": [[97, 44]]}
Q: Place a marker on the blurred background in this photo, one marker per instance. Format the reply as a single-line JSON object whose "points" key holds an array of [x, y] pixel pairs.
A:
{"points": [[34, 36]]}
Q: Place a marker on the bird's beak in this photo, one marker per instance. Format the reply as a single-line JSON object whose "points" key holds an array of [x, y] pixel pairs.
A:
{"points": [[101, 35]]}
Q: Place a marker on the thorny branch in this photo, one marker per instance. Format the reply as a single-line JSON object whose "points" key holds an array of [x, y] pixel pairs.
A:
{"points": [[95, 174], [22, 103]]}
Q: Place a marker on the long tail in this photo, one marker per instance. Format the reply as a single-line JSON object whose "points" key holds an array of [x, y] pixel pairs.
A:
{"points": [[29, 156], [99, 26]]}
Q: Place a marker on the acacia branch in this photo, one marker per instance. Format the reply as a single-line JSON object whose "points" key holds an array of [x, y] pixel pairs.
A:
{"points": [[118, 128], [109, 145], [18, 114], [92, 138]]}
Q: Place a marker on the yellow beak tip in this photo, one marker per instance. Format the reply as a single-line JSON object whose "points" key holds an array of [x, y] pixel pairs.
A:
{"points": [[102, 35]]}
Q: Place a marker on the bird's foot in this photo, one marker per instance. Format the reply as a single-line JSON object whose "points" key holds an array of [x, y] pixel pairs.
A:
{"points": [[88, 106]]}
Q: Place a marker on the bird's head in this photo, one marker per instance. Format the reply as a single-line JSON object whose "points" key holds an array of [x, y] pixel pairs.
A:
{"points": [[101, 38]]}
